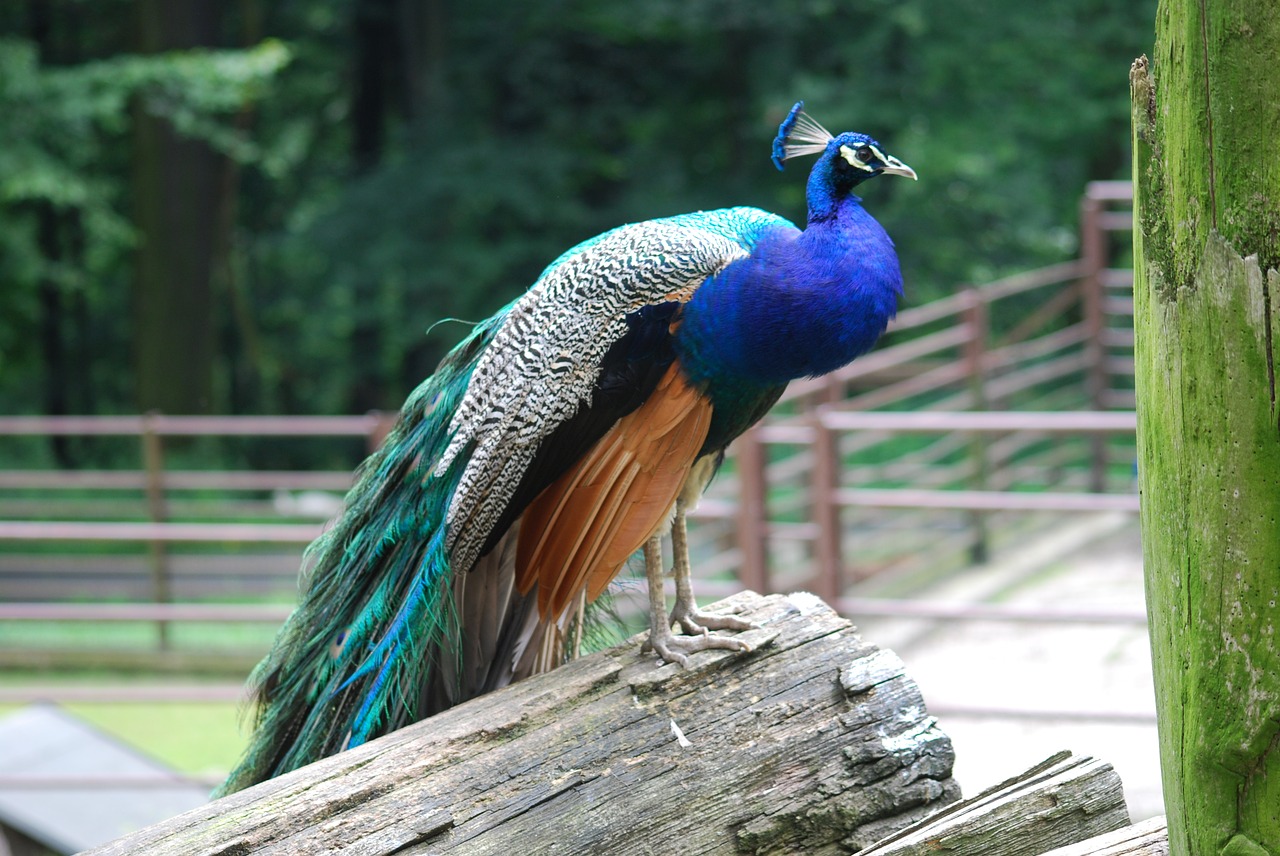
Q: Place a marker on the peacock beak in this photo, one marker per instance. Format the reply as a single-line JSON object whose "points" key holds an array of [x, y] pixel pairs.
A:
{"points": [[893, 166]]}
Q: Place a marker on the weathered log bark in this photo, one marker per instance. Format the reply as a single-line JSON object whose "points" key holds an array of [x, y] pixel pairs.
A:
{"points": [[815, 742], [1065, 799], [1148, 838]]}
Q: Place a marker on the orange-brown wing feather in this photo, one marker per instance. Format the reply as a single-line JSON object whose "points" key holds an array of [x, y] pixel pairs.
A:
{"points": [[584, 526]]}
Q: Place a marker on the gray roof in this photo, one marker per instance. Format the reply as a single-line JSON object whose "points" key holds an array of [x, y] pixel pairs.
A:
{"points": [[47, 742]]}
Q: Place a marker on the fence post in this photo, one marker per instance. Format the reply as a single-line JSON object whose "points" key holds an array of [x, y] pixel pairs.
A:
{"points": [[383, 422], [832, 389], [1093, 253], [977, 318], [828, 552], [753, 512], [153, 462]]}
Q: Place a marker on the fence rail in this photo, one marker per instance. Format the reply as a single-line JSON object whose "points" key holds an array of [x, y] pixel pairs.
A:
{"points": [[159, 533], [371, 425], [116, 612]]}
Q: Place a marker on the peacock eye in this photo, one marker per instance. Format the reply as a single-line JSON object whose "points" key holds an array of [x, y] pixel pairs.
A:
{"points": [[864, 153]]}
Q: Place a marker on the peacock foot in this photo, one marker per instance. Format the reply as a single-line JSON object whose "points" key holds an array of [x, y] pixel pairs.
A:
{"points": [[695, 622], [676, 649]]}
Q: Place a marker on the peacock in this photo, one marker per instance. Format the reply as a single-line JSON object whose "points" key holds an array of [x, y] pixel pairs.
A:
{"points": [[564, 434]]}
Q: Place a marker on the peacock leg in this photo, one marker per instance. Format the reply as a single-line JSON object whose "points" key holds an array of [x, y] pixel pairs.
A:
{"points": [[668, 646], [686, 612], [578, 620]]}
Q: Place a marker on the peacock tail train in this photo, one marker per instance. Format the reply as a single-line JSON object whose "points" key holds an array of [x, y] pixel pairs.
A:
{"points": [[370, 632]]}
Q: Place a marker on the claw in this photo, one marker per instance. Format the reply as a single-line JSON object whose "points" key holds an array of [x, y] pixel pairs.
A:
{"points": [[675, 649], [696, 622]]}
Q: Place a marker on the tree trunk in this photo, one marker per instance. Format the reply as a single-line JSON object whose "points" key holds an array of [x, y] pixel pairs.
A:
{"points": [[54, 227], [1206, 245], [177, 183]]}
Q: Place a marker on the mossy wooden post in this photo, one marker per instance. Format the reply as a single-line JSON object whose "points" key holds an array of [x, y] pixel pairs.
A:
{"points": [[1207, 247]]}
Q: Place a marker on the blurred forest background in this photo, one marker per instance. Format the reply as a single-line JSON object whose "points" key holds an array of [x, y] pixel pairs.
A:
{"points": [[261, 206]]}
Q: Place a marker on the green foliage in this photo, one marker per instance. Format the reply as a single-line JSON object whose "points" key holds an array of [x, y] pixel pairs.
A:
{"points": [[58, 121], [61, 161], [416, 161]]}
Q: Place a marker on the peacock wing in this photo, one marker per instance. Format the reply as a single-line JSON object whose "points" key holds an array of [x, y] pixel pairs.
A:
{"points": [[581, 529], [585, 346]]}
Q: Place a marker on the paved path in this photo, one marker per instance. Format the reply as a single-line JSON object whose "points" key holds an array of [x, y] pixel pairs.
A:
{"points": [[964, 667]]}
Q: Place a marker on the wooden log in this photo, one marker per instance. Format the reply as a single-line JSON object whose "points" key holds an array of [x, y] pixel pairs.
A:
{"points": [[1060, 801], [815, 742], [1148, 838]]}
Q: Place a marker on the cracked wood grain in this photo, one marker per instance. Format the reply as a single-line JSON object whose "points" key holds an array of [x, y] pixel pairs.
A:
{"points": [[1148, 838], [1061, 801]]}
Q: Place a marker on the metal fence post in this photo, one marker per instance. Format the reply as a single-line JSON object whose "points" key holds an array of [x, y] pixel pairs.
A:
{"points": [[383, 422], [829, 553], [977, 318], [753, 512], [153, 462], [1093, 253]]}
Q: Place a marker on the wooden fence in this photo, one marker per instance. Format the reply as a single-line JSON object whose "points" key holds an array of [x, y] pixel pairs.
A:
{"points": [[829, 486], [983, 415]]}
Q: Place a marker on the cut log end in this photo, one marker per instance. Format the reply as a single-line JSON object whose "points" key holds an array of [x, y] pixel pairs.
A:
{"points": [[1063, 800]]}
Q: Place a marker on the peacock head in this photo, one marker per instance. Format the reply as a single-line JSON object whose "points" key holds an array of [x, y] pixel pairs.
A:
{"points": [[844, 160]]}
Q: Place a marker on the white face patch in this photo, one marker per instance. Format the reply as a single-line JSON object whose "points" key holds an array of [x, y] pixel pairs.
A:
{"points": [[851, 156]]}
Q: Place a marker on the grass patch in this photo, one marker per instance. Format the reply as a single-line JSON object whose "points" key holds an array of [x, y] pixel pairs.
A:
{"points": [[197, 738]]}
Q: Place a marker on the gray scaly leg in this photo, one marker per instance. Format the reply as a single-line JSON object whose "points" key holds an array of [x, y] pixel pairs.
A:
{"points": [[686, 612], [668, 646]]}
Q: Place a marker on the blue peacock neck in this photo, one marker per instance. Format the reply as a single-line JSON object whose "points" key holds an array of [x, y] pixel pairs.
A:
{"points": [[802, 304]]}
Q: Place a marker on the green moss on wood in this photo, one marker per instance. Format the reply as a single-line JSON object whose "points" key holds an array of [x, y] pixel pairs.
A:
{"points": [[1210, 476], [1207, 323], [1207, 196], [1214, 164], [1241, 845]]}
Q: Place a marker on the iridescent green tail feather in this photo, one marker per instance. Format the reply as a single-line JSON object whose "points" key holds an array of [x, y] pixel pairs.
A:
{"points": [[376, 613]]}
